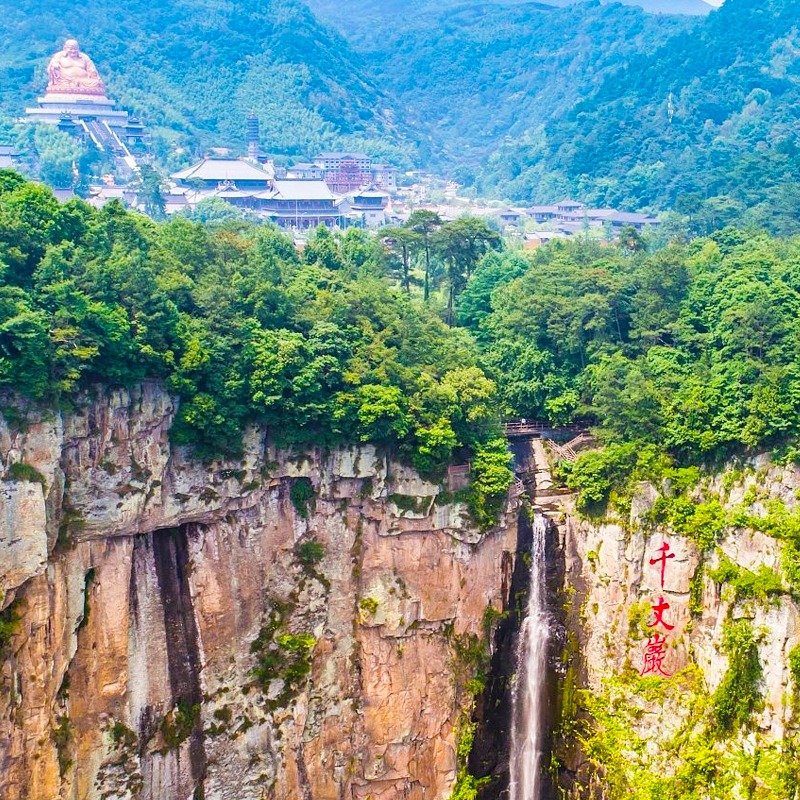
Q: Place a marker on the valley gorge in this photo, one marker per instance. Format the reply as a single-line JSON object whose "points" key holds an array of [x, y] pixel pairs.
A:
{"points": [[310, 624]]}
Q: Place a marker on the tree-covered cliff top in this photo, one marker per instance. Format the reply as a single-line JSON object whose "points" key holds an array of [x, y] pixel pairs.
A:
{"points": [[320, 348], [689, 352]]}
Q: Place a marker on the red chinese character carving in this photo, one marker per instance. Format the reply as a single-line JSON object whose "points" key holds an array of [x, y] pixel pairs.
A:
{"points": [[654, 656], [664, 549], [659, 610]]}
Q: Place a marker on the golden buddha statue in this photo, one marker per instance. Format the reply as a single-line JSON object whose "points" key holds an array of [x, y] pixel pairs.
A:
{"points": [[72, 72]]}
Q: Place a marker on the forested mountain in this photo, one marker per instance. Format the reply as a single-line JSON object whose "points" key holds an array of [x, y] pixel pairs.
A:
{"points": [[474, 75], [711, 114], [699, 7], [523, 100], [194, 70]]}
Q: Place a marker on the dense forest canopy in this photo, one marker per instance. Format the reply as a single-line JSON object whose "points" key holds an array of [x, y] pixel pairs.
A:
{"points": [[322, 348], [419, 340]]}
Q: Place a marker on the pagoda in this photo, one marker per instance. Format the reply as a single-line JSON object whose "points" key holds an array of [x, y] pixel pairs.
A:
{"points": [[75, 100]]}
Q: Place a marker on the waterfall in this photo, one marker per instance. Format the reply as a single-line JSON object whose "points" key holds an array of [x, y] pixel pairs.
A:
{"points": [[527, 734]]}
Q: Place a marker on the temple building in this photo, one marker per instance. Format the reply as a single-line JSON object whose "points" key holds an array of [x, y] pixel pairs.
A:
{"points": [[76, 102], [253, 187], [214, 173], [366, 207]]}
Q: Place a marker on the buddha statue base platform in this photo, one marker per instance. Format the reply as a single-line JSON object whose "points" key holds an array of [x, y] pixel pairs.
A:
{"points": [[54, 108]]}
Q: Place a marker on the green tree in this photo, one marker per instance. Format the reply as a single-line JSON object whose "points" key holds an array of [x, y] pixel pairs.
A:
{"points": [[424, 223]]}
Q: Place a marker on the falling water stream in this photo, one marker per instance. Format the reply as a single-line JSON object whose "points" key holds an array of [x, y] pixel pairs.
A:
{"points": [[527, 734]]}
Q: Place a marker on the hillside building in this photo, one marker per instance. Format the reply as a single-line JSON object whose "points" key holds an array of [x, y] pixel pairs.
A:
{"points": [[213, 173], [347, 172], [366, 207], [75, 101]]}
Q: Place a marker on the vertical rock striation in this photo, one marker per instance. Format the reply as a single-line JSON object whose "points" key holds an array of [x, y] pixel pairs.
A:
{"points": [[188, 629]]}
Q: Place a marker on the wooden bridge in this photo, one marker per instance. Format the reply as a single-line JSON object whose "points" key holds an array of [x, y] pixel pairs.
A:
{"points": [[525, 428], [537, 429]]}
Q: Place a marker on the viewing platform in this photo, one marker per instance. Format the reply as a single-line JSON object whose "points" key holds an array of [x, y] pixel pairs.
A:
{"points": [[530, 428]]}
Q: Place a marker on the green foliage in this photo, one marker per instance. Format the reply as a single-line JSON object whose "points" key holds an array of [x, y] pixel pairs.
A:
{"points": [[62, 737], [467, 785], [702, 522], [9, 625], [491, 477], [470, 661], [696, 588], [762, 585], [739, 693], [629, 760], [596, 473], [369, 605], [301, 494], [407, 503], [690, 350], [19, 471], [310, 552], [281, 655], [122, 735], [794, 667], [178, 724], [780, 523], [638, 617]]}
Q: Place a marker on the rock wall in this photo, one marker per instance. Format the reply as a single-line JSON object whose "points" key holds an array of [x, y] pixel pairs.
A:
{"points": [[644, 721], [276, 627]]}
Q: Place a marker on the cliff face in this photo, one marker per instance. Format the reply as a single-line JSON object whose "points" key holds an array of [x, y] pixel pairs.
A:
{"points": [[301, 625], [282, 626], [681, 684]]}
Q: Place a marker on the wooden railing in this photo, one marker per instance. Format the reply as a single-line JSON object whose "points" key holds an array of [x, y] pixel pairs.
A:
{"points": [[569, 450], [517, 489], [530, 427]]}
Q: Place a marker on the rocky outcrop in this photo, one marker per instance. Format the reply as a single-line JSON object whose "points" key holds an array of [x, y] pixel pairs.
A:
{"points": [[279, 626], [649, 716]]}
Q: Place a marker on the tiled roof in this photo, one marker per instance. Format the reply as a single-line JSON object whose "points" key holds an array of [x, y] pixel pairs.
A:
{"points": [[302, 190], [223, 169]]}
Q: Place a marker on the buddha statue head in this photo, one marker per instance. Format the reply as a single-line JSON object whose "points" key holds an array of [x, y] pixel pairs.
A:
{"points": [[72, 72]]}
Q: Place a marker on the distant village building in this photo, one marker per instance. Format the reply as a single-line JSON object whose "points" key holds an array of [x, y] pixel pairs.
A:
{"points": [[75, 101], [346, 172], [571, 216], [366, 207]]}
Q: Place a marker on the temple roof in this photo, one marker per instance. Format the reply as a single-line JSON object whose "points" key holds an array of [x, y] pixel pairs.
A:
{"points": [[223, 169], [302, 190]]}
